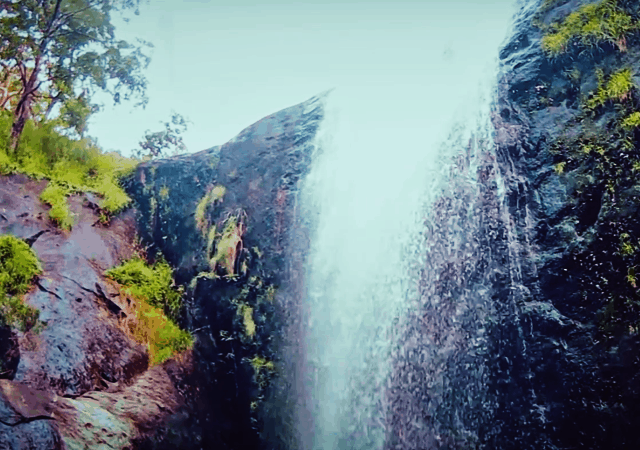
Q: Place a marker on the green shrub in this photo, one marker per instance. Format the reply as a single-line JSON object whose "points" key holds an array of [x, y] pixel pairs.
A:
{"points": [[163, 337], [631, 121], [590, 24], [114, 199], [18, 266], [55, 195], [154, 284], [618, 87], [152, 287], [79, 164]]}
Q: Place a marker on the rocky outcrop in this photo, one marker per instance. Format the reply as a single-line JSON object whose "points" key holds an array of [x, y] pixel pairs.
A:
{"points": [[525, 332], [572, 194], [180, 215], [79, 381]]}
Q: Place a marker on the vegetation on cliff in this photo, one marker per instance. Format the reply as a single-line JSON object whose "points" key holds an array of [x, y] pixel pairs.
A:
{"points": [[596, 156], [56, 56], [214, 195], [18, 267], [590, 25], [156, 306]]}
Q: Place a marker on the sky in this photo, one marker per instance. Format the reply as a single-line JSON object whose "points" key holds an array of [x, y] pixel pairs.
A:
{"points": [[226, 64]]}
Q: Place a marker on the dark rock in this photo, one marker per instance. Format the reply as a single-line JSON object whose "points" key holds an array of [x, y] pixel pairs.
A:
{"points": [[260, 169]]}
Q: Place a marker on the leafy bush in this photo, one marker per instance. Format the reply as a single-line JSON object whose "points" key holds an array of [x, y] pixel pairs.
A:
{"points": [[153, 284], [55, 195], [18, 266], [46, 153], [263, 369], [163, 337], [618, 87], [151, 287], [590, 24], [631, 121]]}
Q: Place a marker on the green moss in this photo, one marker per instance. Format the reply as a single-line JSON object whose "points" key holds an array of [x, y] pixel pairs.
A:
{"points": [[263, 370], [226, 248], [631, 277], [153, 289], [590, 24], [246, 312], [162, 336], [260, 363], [164, 192], [78, 164], [631, 121], [55, 195], [18, 267], [627, 247], [211, 237], [559, 168], [215, 194], [154, 284], [617, 87]]}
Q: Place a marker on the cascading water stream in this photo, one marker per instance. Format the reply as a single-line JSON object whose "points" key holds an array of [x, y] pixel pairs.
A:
{"points": [[375, 196]]}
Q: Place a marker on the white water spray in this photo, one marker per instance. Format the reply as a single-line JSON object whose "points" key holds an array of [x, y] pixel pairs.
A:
{"points": [[368, 185]]}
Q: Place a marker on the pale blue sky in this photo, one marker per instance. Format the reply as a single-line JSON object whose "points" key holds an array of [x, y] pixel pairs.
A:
{"points": [[226, 64]]}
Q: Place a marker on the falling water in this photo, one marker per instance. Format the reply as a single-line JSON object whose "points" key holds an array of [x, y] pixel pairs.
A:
{"points": [[393, 208]]}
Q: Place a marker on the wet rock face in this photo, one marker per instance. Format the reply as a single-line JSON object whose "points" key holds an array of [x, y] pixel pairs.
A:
{"points": [[578, 318], [80, 345], [9, 353], [81, 352], [260, 171]]}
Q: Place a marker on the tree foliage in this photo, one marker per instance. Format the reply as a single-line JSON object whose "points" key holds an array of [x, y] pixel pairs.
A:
{"points": [[61, 52], [160, 143]]}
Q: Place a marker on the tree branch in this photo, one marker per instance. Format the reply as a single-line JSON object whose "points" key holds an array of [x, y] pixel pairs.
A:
{"points": [[63, 19], [45, 39]]}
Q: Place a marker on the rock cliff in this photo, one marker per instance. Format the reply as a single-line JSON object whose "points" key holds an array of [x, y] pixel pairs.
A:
{"points": [[223, 219], [526, 330]]}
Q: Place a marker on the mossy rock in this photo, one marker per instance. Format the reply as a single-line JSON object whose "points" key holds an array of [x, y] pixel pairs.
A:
{"points": [[18, 267]]}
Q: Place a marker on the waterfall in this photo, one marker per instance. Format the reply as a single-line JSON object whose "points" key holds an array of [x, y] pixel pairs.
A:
{"points": [[397, 215]]}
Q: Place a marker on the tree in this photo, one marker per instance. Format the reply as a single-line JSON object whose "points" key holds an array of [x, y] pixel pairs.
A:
{"points": [[60, 47], [157, 144]]}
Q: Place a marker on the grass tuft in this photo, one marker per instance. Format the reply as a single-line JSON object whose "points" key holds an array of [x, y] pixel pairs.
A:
{"points": [[631, 121], [157, 305], [227, 247], [55, 195], [79, 164], [212, 196], [154, 284], [18, 267]]}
